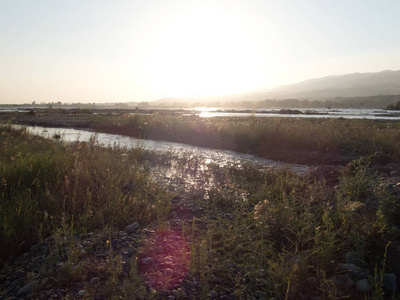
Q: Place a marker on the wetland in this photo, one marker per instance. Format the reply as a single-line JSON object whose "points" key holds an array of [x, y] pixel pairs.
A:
{"points": [[98, 218]]}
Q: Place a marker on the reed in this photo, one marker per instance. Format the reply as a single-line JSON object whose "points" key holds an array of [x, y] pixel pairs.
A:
{"points": [[262, 136]]}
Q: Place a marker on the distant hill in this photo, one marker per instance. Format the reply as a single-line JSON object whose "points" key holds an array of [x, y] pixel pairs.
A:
{"points": [[349, 85]]}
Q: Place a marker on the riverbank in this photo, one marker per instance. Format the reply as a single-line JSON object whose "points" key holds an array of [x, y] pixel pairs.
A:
{"points": [[95, 223]]}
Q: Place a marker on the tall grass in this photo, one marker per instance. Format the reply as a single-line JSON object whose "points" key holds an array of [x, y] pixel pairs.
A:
{"points": [[43, 181], [262, 136], [292, 228], [265, 232]]}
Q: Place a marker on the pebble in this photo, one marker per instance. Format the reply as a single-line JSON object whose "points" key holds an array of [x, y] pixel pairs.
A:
{"points": [[352, 269], [95, 281], [132, 227], [213, 294], [225, 297], [28, 288], [168, 272], [175, 293], [342, 280], [46, 283], [352, 258], [260, 295], [363, 286], [82, 293], [390, 282], [310, 283], [146, 261]]}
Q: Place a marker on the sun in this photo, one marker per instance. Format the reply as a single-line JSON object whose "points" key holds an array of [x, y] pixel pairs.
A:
{"points": [[205, 53]]}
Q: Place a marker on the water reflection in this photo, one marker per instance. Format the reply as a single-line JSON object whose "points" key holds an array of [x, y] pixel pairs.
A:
{"points": [[346, 113], [197, 156]]}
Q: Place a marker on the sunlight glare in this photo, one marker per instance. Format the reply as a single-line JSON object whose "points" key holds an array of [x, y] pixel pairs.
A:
{"points": [[206, 53]]}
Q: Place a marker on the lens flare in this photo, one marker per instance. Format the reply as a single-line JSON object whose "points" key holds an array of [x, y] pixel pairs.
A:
{"points": [[164, 260]]}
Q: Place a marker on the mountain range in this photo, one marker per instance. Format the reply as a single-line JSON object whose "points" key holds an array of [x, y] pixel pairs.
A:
{"points": [[348, 85]]}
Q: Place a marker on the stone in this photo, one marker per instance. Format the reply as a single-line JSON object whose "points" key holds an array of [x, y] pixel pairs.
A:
{"points": [[226, 297], [261, 272], [390, 282], [28, 288], [146, 261], [95, 281], [46, 283], [82, 293], [213, 294], [175, 293], [260, 295], [363, 286], [310, 283], [168, 272], [352, 258], [342, 280], [132, 227], [351, 269]]}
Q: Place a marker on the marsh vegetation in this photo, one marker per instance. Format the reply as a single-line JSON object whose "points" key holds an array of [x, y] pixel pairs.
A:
{"points": [[250, 233]]}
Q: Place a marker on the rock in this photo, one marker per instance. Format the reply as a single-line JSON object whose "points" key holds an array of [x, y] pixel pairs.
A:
{"points": [[261, 272], [213, 294], [46, 282], [95, 281], [310, 283], [27, 289], [390, 282], [132, 227], [168, 272], [226, 297], [181, 292], [363, 286], [175, 293], [82, 293], [260, 295], [146, 261], [352, 258], [352, 269], [342, 280]]}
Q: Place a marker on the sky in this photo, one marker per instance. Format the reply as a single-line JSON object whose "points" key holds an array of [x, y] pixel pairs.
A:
{"points": [[122, 51]]}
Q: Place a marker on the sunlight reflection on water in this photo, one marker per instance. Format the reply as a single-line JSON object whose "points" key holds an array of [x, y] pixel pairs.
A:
{"points": [[205, 155]]}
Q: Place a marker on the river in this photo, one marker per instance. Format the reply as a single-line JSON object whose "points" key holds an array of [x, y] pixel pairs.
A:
{"points": [[205, 155], [346, 113]]}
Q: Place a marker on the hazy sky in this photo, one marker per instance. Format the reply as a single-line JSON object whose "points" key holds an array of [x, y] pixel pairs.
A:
{"points": [[102, 51]]}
